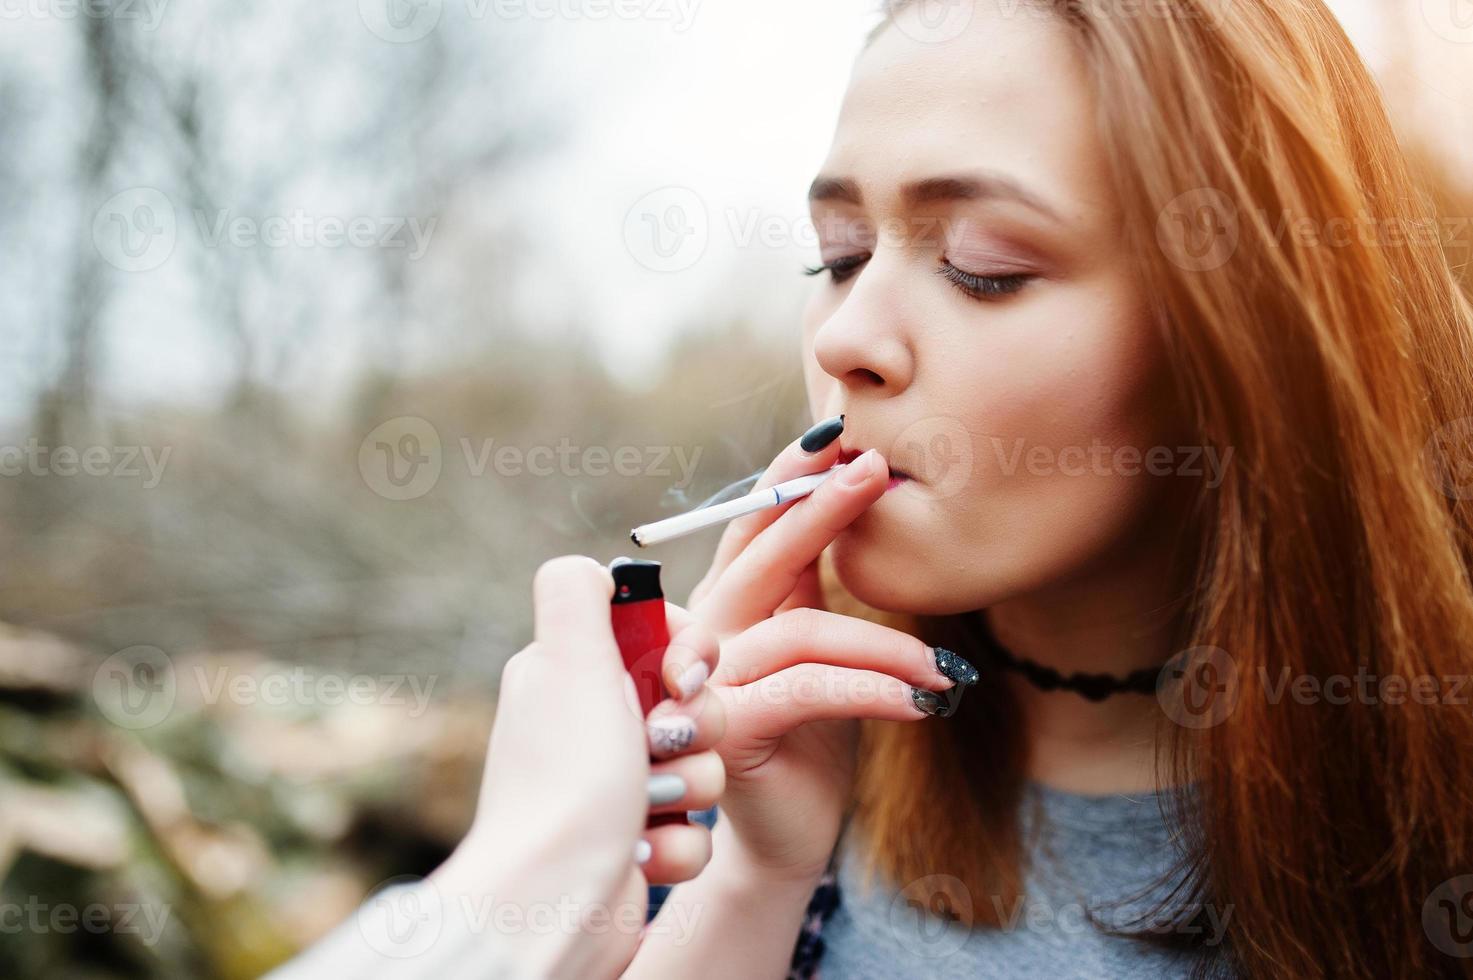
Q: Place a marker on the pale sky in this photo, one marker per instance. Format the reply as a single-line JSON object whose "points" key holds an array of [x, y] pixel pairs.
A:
{"points": [[723, 119]]}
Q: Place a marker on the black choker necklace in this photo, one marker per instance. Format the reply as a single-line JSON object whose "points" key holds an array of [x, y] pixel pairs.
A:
{"points": [[1095, 687]]}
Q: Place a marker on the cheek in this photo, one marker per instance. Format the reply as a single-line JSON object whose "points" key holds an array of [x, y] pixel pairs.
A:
{"points": [[1091, 375], [1049, 400], [1059, 475], [823, 390], [1080, 369]]}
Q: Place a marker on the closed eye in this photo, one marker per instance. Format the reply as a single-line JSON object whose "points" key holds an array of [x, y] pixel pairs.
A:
{"points": [[983, 287], [839, 269], [976, 286]]}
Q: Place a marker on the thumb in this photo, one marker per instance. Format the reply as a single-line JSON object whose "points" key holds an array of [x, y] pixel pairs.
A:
{"points": [[570, 603]]}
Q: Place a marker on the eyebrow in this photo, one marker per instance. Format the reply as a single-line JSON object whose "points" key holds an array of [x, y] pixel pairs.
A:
{"points": [[961, 187]]}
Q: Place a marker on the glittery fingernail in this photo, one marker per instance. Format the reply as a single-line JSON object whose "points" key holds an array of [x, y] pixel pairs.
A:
{"points": [[941, 705], [670, 734], [665, 788], [953, 667], [691, 679]]}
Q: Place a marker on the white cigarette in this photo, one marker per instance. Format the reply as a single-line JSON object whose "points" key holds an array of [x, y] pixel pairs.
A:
{"points": [[682, 524]]}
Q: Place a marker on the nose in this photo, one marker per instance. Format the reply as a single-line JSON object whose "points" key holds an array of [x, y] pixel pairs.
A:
{"points": [[864, 344]]}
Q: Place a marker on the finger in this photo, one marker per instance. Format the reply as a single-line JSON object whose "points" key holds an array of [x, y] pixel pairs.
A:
{"points": [[691, 782], [686, 727], [818, 636], [677, 618], [794, 461], [570, 603], [690, 659], [808, 593], [677, 852], [765, 574], [780, 702]]}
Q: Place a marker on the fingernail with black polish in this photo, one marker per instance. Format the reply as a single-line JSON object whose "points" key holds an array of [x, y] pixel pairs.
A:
{"points": [[941, 705], [954, 667], [821, 434]]}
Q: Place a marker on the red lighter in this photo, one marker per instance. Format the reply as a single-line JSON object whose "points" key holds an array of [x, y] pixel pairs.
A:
{"points": [[638, 611]]}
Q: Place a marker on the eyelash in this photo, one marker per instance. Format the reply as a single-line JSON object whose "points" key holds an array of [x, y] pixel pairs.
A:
{"points": [[982, 287], [972, 285], [839, 270]]}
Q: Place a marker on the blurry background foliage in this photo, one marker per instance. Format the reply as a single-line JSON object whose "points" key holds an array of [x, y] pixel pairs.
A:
{"points": [[246, 825]]}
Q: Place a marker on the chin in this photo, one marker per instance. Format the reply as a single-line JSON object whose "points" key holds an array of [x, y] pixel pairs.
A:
{"points": [[898, 575]]}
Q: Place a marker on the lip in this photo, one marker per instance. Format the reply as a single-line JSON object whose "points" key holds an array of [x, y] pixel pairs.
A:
{"points": [[897, 477]]}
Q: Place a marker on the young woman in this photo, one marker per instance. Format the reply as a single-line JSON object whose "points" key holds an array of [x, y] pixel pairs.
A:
{"points": [[1153, 372]]}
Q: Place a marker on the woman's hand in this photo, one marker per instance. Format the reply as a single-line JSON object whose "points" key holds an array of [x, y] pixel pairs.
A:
{"points": [[795, 678], [568, 783]]}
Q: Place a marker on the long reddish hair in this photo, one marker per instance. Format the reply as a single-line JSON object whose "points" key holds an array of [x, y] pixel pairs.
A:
{"points": [[1340, 371]]}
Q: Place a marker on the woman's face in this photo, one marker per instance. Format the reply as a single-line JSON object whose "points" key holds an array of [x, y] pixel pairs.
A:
{"points": [[979, 321]]}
